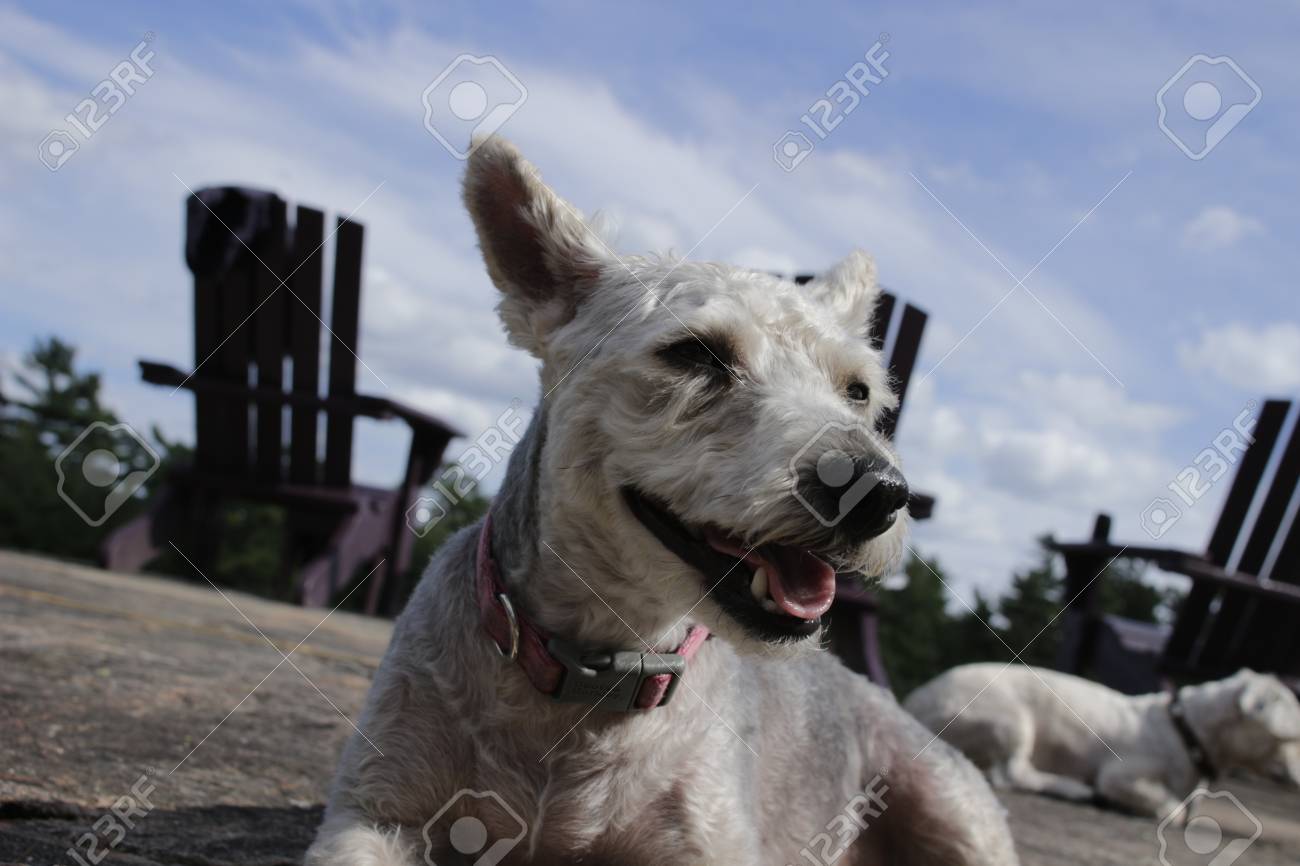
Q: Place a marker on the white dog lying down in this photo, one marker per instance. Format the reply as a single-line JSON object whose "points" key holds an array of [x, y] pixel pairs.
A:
{"points": [[1043, 731]]}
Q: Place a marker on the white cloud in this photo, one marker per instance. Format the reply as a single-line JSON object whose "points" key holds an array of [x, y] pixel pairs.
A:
{"points": [[1217, 227], [1263, 359], [1088, 401]]}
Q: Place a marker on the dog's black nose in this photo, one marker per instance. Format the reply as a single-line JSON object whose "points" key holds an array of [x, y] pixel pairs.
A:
{"points": [[857, 494]]}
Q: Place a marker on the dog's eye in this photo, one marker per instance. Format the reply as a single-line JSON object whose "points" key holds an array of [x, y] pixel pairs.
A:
{"points": [[858, 392], [692, 353]]}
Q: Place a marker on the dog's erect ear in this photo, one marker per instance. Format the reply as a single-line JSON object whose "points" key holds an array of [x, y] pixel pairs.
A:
{"points": [[849, 289], [538, 250], [1266, 700]]}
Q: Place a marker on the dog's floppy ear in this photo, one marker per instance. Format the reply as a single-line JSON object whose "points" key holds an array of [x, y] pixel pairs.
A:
{"points": [[849, 289], [538, 250], [1266, 700]]}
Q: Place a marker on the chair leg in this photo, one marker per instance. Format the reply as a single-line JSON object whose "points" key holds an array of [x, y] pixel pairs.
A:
{"points": [[130, 547], [171, 517], [357, 542], [872, 658]]}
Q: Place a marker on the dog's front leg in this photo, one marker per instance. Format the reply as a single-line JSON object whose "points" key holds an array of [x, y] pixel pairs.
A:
{"points": [[1136, 786], [1021, 774], [349, 840]]}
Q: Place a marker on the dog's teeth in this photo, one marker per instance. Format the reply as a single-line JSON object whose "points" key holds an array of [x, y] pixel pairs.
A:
{"points": [[770, 606], [758, 585]]}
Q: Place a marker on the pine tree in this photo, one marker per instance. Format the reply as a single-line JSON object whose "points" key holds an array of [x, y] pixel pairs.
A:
{"points": [[1031, 609], [914, 626]]}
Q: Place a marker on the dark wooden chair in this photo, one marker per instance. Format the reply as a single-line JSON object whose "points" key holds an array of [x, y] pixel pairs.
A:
{"points": [[263, 430], [1243, 608], [853, 624]]}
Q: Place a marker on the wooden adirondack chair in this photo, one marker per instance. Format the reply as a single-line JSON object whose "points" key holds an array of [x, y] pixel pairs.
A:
{"points": [[240, 248], [1243, 609], [854, 621]]}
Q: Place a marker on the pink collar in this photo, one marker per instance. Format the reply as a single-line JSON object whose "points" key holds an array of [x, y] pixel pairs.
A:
{"points": [[568, 672]]}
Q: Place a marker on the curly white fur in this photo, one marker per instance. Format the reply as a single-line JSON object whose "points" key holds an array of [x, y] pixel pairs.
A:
{"points": [[760, 748]]}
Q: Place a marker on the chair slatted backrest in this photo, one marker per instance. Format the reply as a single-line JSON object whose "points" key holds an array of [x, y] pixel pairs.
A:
{"points": [[258, 302], [899, 337], [1282, 625], [304, 342], [1245, 627], [1268, 637], [1220, 629], [345, 320]]}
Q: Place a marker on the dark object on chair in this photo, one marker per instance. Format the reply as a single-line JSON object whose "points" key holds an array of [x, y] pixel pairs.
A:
{"points": [[1243, 609], [853, 623], [257, 302]]}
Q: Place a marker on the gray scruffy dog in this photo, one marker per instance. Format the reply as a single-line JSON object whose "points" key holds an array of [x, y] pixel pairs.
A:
{"points": [[549, 697]]}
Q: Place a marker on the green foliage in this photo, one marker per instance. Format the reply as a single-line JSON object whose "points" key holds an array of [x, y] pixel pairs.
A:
{"points": [[1124, 593], [924, 630], [56, 435], [914, 637], [1030, 610]]}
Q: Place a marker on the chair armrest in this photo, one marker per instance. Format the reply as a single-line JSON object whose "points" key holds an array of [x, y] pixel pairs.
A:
{"points": [[1166, 558], [1207, 572], [417, 419], [165, 374], [158, 373], [380, 408], [920, 505], [1192, 565]]}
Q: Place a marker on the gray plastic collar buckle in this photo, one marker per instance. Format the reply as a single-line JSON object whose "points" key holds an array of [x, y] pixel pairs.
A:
{"points": [[610, 680]]}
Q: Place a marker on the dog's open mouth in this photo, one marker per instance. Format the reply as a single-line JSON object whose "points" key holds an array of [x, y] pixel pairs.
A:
{"points": [[776, 591]]}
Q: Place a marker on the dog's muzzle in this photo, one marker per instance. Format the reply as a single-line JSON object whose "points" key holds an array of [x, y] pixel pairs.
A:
{"points": [[858, 494]]}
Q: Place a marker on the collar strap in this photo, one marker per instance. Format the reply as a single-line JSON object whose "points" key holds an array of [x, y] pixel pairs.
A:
{"points": [[619, 680], [1192, 743]]}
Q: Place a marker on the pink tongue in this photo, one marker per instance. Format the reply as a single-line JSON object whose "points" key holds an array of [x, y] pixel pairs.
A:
{"points": [[800, 583]]}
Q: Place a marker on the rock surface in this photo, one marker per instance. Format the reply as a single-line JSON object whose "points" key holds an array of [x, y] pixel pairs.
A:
{"points": [[163, 697]]}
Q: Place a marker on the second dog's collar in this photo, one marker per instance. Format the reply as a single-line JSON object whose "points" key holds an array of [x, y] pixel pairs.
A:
{"points": [[611, 679], [1192, 743]]}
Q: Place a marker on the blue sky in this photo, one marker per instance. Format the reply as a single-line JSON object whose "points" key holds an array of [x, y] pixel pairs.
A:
{"points": [[1162, 305]]}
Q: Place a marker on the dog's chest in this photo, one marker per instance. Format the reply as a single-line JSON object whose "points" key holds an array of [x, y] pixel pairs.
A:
{"points": [[604, 826], [651, 806]]}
